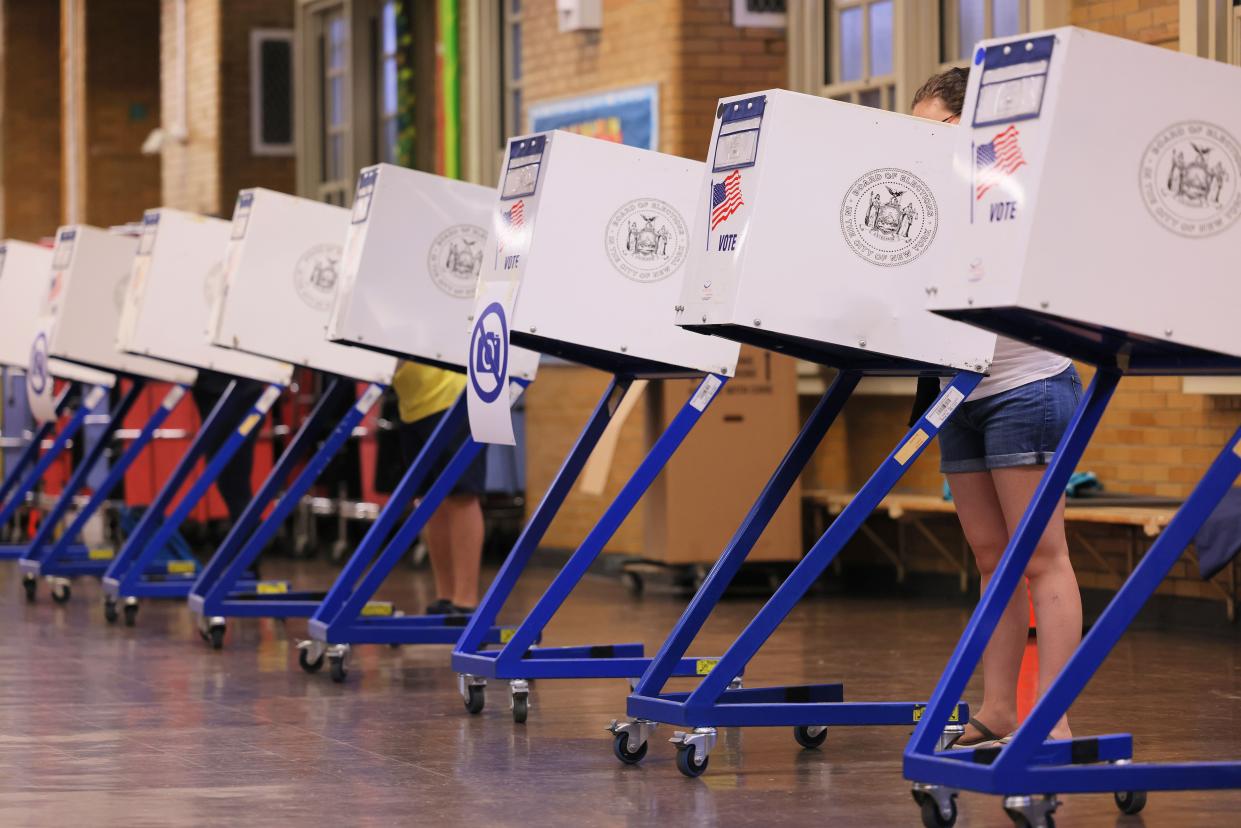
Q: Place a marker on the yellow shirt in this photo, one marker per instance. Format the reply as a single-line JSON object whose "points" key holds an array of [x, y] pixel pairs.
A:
{"points": [[423, 390]]}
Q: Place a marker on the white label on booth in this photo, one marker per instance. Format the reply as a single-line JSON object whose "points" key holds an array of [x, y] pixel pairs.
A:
{"points": [[173, 397], [368, 397], [706, 392], [948, 404], [39, 384], [95, 397], [269, 397], [489, 406]]}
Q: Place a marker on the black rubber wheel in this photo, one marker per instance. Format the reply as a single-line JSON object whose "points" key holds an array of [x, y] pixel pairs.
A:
{"points": [[131, 615], [688, 762], [1130, 802], [303, 660], [521, 707], [802, 734], [61, 593], [477, 698], [336, 666], [932, 818], [109, 612], [217, 636], [31, 585], [620, 747]]}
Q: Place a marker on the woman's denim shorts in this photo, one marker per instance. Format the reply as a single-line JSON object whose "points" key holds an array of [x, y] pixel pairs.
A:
{"points": [[1018, 427]]}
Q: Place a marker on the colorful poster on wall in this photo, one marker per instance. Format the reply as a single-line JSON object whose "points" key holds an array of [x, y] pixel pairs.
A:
{"points": [[625, 116]]}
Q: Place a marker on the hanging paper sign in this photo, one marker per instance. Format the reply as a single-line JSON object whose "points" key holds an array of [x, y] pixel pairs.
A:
{"points": [[487, 394]]}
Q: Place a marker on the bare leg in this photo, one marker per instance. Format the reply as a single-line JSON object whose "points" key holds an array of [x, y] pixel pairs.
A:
{"points": [[1053, 584], [465, 516], [986, 531], [439, 546]]}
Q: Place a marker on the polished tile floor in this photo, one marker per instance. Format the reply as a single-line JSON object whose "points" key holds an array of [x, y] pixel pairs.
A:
{"points": [[113, 726]]}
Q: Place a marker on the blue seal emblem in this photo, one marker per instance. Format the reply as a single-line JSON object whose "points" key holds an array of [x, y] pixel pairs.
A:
{"points": [[489, 353], [38, 376]]}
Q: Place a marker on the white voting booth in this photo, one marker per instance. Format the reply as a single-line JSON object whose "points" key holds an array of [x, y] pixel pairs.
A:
{"points": [[590, 240], [820, 226], [24, 272], [282, 264], [178, 268], [414, 249], [82, 307], [1122, 236]]}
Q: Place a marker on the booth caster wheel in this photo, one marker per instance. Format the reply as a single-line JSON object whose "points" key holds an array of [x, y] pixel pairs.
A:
{"points": [[308, 661], [810, 736], [620, 747], [31, 585], [937, 805], [61, 591], [215, 632], [473, 693], [131, 612], [690, 763], [109, 611], [336, 664], [521, 700], [1130, 802], [1031, 811]]}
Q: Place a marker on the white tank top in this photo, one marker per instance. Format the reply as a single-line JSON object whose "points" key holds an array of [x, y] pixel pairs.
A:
{"points": [[1016, 364]]}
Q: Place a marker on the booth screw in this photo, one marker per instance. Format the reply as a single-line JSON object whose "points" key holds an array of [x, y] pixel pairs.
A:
{"points": [[758, 323], [937, 803], [630, 740], [1032, 811], [694, 749]]}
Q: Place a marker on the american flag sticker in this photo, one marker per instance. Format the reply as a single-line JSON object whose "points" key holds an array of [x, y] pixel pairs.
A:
{"points": [[512, 220], [996, 160], [725, 198]]}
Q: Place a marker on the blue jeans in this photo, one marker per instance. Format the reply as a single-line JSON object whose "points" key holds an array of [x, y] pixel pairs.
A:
{"points": [[1018, 427]]}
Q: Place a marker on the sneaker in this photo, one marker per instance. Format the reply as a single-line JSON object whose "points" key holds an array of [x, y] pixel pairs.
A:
{"points": [[456, 610], [442, 606]]}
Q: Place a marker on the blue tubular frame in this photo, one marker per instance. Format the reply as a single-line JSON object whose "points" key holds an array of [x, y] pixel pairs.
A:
{"points": [[214, 593], [518, 658], [32, 478], [342, 617], [711, 703], [61, 558], [27, 457], [126, 577], [1024, 766]]}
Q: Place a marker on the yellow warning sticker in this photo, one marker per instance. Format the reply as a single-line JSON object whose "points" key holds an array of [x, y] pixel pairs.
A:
{"points": [[955, 718], [100, 554], [907, 451], [272, 588], [377, 608], [705, 665], [506, 634], [248, 424], [181, 567]]}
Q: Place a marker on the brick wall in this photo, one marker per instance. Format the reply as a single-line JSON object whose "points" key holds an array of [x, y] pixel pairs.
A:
{"points": [[122, 102], [1149, 21], [30, 120], [189, 167]]}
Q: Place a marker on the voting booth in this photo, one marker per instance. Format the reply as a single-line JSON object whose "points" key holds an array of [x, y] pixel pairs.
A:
{"points": [[24, 272], [281, 276], [589, 242], [1059, 163], [819, 225], [412, 255]]}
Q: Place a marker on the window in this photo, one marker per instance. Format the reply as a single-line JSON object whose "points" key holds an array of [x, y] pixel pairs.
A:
{"points": [[963, 23], [330, 42], [766, 13], [387, 107], [860, 66], [511, 112], [1234, 35], [271, 92]]}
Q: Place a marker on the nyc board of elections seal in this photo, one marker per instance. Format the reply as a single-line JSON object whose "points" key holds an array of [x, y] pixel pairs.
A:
{"points": [[646, 240], [455, 258], [889, 217], [314, 277], [1189, 179]]}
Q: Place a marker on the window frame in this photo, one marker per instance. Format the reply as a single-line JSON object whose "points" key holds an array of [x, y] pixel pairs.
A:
{"points": [[258, 146], [853, 90], [385, 154], [950, 30]]}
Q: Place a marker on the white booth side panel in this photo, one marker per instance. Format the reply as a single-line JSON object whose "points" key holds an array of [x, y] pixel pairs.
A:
{"points": [[282, 266], [415, 247], [23, 285], [611, 240]]}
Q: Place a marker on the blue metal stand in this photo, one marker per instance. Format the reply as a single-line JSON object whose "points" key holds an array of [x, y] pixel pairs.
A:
{"points": [[215, 595], [63, 558], [31, 451], [810, 709], [27, 484], [348, 615], [1031, 764], [518, 660], [128, 576]]}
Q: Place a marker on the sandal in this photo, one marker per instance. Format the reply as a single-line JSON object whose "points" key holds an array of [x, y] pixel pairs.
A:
{"points": [[988, 738]]}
